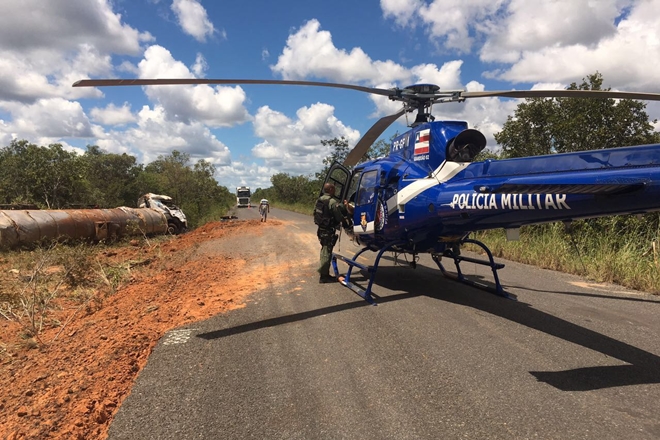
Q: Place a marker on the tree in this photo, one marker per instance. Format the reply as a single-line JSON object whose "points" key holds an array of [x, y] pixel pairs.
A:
{"points": [[486, 154], [170, 174], [339, 154], [380, 148], [293, 189], [112, 178], [48, 176], [559, 125]]}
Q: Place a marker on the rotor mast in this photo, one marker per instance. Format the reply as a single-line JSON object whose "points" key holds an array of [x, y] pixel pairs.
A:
{"points": [[421, 97]]}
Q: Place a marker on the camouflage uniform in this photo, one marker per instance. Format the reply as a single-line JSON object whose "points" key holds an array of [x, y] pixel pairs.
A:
{"points": [[328, 235]]}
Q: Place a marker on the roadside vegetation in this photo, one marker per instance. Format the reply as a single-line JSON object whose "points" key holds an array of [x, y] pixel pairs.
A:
{"points": [[50, 177], [622, 250], [35, 282]]}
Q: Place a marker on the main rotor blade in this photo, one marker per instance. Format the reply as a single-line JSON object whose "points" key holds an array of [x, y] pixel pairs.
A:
{"points": [[370, 137], [188, 81], [563, 94]]}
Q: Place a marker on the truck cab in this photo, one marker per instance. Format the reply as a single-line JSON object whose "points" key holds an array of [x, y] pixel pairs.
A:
{"points": [[176, 219], [243, 195]]}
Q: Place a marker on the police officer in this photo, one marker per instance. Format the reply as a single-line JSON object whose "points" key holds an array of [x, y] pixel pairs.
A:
{"points": [[329, 213]]}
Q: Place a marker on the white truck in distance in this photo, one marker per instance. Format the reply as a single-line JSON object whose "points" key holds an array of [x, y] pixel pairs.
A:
{"points": [[243, 195]]}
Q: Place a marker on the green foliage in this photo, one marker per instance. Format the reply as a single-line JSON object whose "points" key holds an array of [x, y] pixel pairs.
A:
{"points": [[293, 189], [340, 152], [111, 178], [46, 176], [558, 125], [380, 148], [619, 249], [486, 154], [192, 187], [54, 178]]}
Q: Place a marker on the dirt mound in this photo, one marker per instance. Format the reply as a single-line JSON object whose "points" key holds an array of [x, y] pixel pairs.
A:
{"points": [[72, 387]]}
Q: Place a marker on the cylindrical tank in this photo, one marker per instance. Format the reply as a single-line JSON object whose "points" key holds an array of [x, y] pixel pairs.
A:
{"points": [[30, 226]]}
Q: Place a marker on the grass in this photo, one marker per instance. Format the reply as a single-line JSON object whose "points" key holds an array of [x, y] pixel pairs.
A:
{"points": [[32, 281], [628, 258], [300, 208]]}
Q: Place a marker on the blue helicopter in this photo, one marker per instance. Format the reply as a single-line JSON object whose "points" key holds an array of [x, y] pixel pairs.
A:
{"points": [[429, 194]]}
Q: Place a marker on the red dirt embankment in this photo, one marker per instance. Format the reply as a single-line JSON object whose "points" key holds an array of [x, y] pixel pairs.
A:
{"points": [[72, 387]]}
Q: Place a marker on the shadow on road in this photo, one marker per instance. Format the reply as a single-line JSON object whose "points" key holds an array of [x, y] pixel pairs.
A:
{"points": [[288, 319], [643, 368]]}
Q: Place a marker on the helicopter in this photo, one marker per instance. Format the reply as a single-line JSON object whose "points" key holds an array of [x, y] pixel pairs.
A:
{"points": [[429, 193]]}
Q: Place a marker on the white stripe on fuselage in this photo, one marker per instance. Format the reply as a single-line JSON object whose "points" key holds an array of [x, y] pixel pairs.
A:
{"points": [[443, 173]]}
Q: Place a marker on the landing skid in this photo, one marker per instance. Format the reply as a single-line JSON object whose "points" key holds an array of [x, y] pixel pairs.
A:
{"points": [[371, 270], [449, 253]]}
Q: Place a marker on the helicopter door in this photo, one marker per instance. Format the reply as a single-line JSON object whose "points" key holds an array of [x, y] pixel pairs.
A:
{"points": [[339, 176], [369, 211]]}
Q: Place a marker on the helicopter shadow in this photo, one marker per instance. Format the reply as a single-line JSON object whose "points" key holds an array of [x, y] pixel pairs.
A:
{"points": [[643, 367], [485, 282]]}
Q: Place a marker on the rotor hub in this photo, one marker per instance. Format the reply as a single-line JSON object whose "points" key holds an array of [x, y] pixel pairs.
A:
{"points": [[423, 88]]}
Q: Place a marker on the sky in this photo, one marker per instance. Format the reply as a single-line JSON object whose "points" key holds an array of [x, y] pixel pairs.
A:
{"points": [[251, 132]]}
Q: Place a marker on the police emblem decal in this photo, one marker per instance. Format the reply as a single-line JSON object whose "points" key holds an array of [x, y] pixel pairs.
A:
{"points": [[363, 221]]}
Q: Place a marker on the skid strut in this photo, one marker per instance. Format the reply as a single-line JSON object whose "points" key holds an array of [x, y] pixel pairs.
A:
{"points": [[371, 270], [449, 253]]}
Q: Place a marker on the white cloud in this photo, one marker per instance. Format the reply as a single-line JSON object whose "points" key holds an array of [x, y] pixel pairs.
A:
{"points": [[51, 118], [310, 52], [200, 67], [156, 135], [628, 58], [549, 41], [62, 25], [113, 115], [46, 46], [295, 145], [193, 19], [403, 11], [244, 174], [449, 22], [215, 106], [530, 26]]}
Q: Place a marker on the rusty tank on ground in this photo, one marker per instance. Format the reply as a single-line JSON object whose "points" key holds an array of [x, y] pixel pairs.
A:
{"points": [[25, 227]]}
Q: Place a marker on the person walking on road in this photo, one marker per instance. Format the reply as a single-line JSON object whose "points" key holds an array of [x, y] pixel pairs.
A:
{"points": [[264, 209]]}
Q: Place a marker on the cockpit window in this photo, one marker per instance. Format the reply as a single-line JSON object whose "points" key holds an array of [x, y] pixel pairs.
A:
{"points": [[367, 190], [352, 188], [339, 177]]}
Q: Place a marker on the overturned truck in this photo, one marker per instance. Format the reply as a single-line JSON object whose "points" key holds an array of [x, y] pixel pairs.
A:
{"points": [[176, 219], [27, 227]]}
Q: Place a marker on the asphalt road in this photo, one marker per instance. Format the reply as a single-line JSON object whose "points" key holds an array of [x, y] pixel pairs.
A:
{"points": [[434, 360]]}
